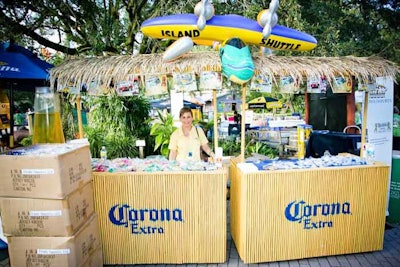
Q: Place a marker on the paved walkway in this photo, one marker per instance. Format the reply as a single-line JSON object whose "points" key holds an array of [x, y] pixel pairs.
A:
{"points": [[388, 257]]}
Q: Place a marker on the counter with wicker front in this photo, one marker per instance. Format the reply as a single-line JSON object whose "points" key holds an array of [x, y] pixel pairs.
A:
{"points": [[292, 214], [162, 217]]}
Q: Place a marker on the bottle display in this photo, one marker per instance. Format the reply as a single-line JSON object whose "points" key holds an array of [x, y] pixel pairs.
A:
{"points": [[47, 126], [103, 153]]}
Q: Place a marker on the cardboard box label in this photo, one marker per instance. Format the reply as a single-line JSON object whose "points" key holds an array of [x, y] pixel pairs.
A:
{"points": [[30, 225], [41, 251], [37, 171], [25, 179], [49, 213], [23, 182]]}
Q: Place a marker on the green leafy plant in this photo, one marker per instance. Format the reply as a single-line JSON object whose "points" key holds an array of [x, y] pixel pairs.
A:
{"points": [[95, 137], [256, 147], [117, 122], [230, 147], [27, 141], [162, 129], [120, 146]]}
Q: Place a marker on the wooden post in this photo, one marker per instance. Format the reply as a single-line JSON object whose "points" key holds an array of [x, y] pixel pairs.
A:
{"points": [[364, 125], [307, 107], [350, 108], [243, 123], [215, 119]]}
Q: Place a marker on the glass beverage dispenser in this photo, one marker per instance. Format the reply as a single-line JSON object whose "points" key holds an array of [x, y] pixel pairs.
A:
{"points": [[47, 127]]}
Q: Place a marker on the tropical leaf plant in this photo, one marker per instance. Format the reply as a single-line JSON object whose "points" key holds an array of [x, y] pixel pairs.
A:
{"points": [[119, 146], [117, 122], [162, 129], [230, 147], [27, 141], [257, 147], [96, 140]]}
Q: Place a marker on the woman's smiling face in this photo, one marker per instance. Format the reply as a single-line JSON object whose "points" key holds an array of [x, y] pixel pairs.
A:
{"points": [[186, 119]]}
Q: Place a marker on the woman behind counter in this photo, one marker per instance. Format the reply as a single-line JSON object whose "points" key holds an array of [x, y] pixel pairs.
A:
{"points": [[185, 141]]}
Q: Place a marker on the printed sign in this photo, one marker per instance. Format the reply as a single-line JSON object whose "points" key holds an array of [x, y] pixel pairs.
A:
{"points": [[156, 85], [128, 88], [316, 85], [288, 84], [261, 83], [380, 121], [342, 84], [95, 88], [210, 80], [184, 82]]}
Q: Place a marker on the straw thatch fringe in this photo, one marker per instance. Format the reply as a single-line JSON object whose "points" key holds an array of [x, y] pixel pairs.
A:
{"points": [[104, 70]]}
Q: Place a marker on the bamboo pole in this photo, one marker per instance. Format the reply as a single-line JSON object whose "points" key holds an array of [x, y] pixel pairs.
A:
{"points": [[79, 114], [215, 120], [364, 125], [243, 124]]}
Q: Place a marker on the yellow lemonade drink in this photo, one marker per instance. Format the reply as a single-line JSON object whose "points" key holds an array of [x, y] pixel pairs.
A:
{"points": [[47, 128]]}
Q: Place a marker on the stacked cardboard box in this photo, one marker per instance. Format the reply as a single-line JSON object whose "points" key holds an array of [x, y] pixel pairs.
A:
{"points": [[47, 207]]}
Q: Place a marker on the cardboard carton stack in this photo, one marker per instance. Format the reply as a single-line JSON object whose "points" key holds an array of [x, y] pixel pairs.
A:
{"points": [[47, 207]]}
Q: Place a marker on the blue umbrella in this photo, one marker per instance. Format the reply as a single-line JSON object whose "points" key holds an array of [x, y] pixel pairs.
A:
{"points": [[20, 69], [17, 62]]}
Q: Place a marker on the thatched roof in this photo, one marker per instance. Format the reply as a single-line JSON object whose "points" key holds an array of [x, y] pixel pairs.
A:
{"points": [[119, 68]]}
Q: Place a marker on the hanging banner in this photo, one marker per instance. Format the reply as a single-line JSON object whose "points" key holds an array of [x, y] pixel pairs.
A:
{"points": [[288, 85], [184, 82], [342, 84], [69, 88], [128, 88], [316, 85], [380, 121], [96, 88], [366, 85], [261, 83], [210, 80], [156, 85]]}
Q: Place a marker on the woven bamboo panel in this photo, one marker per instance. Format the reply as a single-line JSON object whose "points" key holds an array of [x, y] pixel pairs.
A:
{"points": [[294, 214], [184, 217]]}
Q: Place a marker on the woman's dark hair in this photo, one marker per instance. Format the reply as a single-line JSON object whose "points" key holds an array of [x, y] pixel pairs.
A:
{"points": [[185, 110]]}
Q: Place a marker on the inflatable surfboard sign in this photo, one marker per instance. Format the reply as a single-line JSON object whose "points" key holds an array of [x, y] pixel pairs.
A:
{"points": [[223, 27]]}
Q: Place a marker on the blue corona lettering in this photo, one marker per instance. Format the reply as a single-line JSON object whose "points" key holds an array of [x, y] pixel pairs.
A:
{"points": [[124, 215], [303, 212]]}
